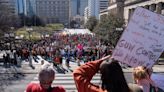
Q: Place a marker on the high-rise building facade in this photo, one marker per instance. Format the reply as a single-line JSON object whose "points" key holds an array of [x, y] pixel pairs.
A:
{"points": [[11, 4], [78, 7], [74, 9], [53, 11], [83, 5], [124, 8], [30, 7], [104, 4], [20, 6], [156, 6], [95, 6], [77, 11]]}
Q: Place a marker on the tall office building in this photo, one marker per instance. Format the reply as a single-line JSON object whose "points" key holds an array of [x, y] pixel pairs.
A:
{"points": [[124, 8], [93, 9], [26, 7], [78, 7], [21, 7], [11, 4], [30, 7], [83, 5], [77, 11], [156, 6], [74, 9], [95, 6], [53, 11], [104, 4]]}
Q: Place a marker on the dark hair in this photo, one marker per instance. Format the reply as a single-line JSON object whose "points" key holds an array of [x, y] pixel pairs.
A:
{"points": [[112, 77]]}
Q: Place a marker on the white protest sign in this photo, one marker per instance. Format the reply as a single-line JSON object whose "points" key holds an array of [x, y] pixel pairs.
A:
{"points": [[142, 41], [158, 79]]}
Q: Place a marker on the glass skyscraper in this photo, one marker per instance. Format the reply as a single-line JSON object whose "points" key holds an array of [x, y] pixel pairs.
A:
{"points": [[78, 7], [73, 9], [26, 7], [31, 7], [95, 6], [20, 6]]}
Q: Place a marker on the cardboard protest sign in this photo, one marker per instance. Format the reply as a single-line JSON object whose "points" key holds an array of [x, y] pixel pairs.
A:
{"points": [[158, 79], [142, 41]]}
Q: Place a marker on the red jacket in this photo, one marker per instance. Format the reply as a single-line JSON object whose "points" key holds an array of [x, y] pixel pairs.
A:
{"points": [[35, 87], [83, 76]]}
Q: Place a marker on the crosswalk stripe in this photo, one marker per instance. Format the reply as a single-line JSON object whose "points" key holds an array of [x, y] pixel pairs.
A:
{"points": [[67, 82], [69, 78], [69, 75]]}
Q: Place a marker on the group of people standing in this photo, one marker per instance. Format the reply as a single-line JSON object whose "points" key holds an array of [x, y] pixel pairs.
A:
{"points": [[76, 48], [112, 78]]}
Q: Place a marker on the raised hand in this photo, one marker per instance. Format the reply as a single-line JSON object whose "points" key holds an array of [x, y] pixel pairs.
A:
{"points": [[106, 57]]}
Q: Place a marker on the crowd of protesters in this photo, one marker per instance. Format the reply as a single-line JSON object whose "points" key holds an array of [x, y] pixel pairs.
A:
{"points": [[75, 48]]}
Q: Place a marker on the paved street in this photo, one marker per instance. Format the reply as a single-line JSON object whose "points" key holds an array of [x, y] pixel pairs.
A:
{"points": [[26, 74], [130, 30]]}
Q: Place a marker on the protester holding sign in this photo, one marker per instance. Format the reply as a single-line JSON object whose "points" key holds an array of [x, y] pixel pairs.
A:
{"points": [[143, 27], [112, 77]]}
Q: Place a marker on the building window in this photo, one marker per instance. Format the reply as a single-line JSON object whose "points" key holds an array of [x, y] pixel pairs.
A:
{"points": [[63, 2], [51, 2]]}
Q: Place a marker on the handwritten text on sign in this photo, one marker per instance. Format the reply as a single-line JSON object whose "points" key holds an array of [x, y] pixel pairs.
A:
{"points": [[142, 41]]}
